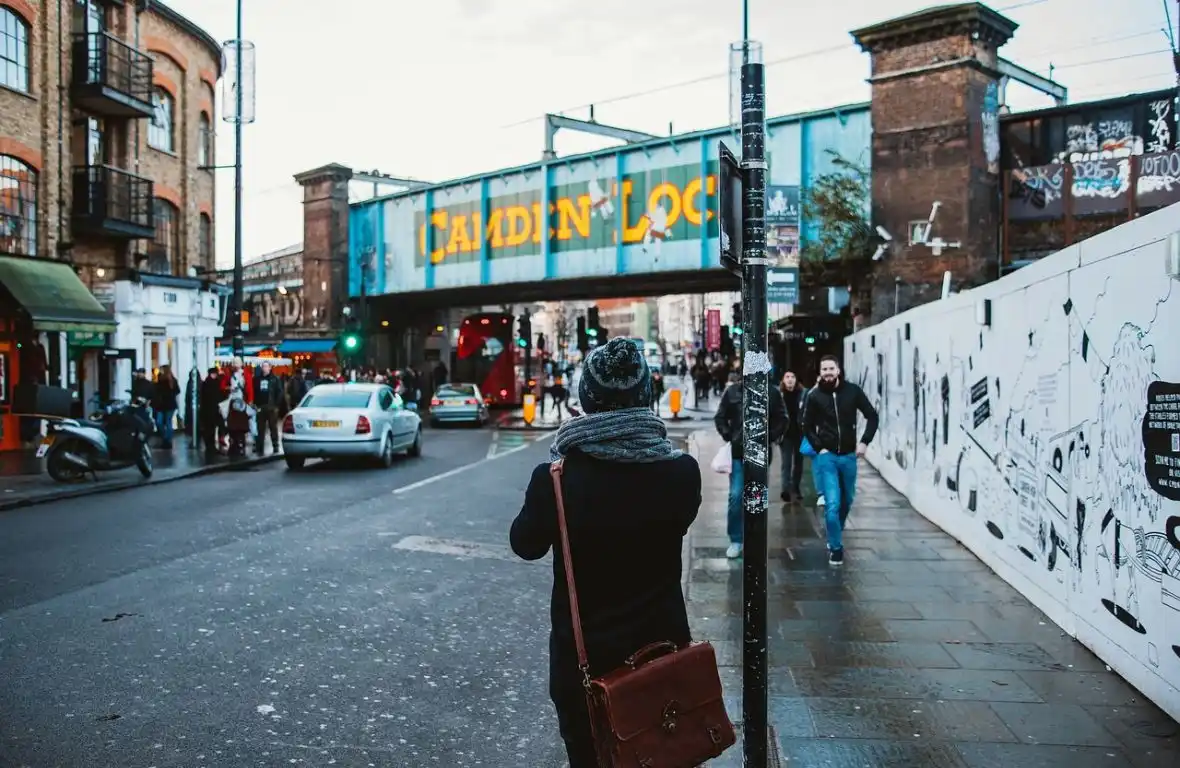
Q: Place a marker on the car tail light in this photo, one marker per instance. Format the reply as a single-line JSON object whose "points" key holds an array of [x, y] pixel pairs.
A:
{"points": [[362, 425], [436, 401], [471, 401], [503, 393], [289, 425]]}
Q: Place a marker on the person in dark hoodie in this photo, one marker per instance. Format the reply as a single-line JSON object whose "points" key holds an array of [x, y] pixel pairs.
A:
{"points": [[209, 411], [729, 423], [630, 497]]}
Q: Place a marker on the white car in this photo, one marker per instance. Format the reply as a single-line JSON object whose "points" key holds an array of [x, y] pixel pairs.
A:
{"points": [[350, 420]]}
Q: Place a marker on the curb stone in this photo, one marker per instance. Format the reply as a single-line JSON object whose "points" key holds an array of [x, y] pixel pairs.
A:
{"points": [[73, 492]]}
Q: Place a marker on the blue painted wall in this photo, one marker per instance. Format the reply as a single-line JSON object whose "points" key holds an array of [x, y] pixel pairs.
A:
{"points": [[643, 208]]}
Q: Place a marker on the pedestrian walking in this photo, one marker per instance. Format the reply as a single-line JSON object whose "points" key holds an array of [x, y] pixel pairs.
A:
{"points": [[269, 399], [792, 461], [729, 423], [165, 401], [630, 497], [829, 423]]}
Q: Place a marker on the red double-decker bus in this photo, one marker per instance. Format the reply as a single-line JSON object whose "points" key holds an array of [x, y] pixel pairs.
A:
{"points": [[486, 357]]}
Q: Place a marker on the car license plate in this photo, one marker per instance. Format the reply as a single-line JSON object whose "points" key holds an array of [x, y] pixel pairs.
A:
{"points": [[43, 448], [325, 425]]}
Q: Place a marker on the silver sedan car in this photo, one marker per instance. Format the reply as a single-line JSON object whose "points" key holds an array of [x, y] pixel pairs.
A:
{"points": [[351, 420], [458, 404]]}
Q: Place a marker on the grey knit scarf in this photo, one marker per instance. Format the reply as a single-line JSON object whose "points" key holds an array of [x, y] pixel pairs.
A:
{"points": [[630, 435]]}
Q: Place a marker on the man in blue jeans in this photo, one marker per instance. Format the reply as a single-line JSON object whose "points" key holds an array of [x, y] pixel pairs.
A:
{"points": [[728, 421], [829, 423]]}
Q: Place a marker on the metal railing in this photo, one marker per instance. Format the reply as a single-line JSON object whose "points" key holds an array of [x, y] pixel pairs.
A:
{"points": [[105, 195], [100, 58]]}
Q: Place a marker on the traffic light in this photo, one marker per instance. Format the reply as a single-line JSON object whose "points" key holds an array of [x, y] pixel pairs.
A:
{"points": [[583, 338], [592, 317], [525, 331], [737, 316], [350, 343]]}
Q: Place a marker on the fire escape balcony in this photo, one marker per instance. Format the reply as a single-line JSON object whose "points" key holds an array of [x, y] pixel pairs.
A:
{"points": [[113, 203], [110, 78]]}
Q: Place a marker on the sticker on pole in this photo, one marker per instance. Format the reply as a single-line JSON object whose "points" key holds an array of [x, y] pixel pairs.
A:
{"points": [[782, 285]]}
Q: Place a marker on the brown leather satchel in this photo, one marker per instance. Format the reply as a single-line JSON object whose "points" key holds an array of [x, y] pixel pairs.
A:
{"points": [[663, 708]]}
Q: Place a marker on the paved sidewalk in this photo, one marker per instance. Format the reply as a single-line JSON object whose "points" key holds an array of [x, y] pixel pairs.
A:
{"points": [[24, 482], [913, 654]]}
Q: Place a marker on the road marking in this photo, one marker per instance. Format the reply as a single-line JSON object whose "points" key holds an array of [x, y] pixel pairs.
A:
{"points": [[465, 467], [465, 550], [494, 445]]}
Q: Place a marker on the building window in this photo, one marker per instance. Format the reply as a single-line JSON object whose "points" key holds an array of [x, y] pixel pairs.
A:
{"points": [[206, 242], [18, 207], [160, 129], [14, 51], [95, 142], [204, 142], [165, 250]]}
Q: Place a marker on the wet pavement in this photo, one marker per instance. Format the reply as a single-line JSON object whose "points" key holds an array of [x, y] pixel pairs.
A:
{"points": [[23, 480], [913, 653]]}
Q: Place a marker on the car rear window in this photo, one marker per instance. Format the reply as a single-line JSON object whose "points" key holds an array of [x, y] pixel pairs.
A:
{"points": [[457, 391], [337, 400]]}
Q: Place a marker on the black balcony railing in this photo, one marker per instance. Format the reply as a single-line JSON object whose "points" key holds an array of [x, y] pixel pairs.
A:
{"points": [[112, 202], [110, 77]]}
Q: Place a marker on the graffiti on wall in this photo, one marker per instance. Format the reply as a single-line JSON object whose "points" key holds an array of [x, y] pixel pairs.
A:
{"points": [[990, 118], [1159, 126], [271, 311], [1051, 440]]}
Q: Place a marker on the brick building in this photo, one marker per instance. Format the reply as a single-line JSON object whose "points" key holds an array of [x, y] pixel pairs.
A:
{"points": [[964, 186], [106, 192]]}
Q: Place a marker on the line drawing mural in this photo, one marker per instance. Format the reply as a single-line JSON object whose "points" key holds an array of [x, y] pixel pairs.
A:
{"points": [[1049, 443]]}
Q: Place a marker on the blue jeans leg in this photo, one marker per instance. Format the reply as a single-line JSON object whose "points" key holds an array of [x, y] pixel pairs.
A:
{"points": [[733, 525], [846, 468], [827, 483], [164, 425]]}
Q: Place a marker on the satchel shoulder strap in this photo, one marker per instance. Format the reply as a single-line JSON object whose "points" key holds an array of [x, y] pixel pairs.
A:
{"points": [[555, 470]]}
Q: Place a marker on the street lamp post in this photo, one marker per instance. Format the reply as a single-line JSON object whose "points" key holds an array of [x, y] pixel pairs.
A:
{"points": [[239, 343], [755, 403]]}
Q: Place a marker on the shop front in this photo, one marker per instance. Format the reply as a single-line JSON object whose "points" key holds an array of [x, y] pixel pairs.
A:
{"points": [[45, 310], [166, 320]]}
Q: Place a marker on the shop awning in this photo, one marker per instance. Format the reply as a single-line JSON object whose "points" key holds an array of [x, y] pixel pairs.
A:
{"points": [[53, 296], [306, 346]]}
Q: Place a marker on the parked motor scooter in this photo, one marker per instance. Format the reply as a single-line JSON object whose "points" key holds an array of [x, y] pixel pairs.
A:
{"points": [[115, 437]]}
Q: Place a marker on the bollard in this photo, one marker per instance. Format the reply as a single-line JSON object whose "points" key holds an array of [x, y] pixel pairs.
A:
{"points": [[674, 402], [530, 408]]}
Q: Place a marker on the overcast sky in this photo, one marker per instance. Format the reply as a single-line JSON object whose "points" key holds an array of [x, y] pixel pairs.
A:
{"points": [[447, 88]]}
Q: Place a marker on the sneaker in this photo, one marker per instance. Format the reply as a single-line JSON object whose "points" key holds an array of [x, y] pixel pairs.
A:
{"points": [[819, 501], [734, 551], [836, 557], [785, 495]]}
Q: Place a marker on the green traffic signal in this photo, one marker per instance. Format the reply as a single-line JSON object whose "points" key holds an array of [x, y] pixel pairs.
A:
{"points": [[522, 343], [809, 340], [351, 342], [591, 331]]}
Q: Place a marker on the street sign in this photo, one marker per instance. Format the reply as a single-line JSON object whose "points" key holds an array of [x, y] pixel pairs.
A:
{"points": [[729, 209], [782, 285]]}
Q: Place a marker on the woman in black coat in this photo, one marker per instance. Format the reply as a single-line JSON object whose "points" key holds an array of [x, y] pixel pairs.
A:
{"points": [[630, 497]]}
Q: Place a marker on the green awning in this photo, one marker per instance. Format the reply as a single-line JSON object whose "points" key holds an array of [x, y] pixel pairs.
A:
{"points": [[53, 295]]}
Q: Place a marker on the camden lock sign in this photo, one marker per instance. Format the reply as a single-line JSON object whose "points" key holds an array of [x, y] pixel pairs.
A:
{"points": [[666, 205]]}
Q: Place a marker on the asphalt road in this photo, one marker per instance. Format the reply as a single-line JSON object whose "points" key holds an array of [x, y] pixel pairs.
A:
{"points": [[348, 617]]}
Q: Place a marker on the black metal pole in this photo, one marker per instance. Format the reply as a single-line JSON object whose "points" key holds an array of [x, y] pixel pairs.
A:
{"points": [[528, 354], [239, 343], [755, 440]]}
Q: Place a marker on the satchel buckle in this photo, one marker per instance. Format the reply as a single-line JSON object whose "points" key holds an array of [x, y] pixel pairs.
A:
{"points": [[585, 670], [715, 734], [671, 711]]}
